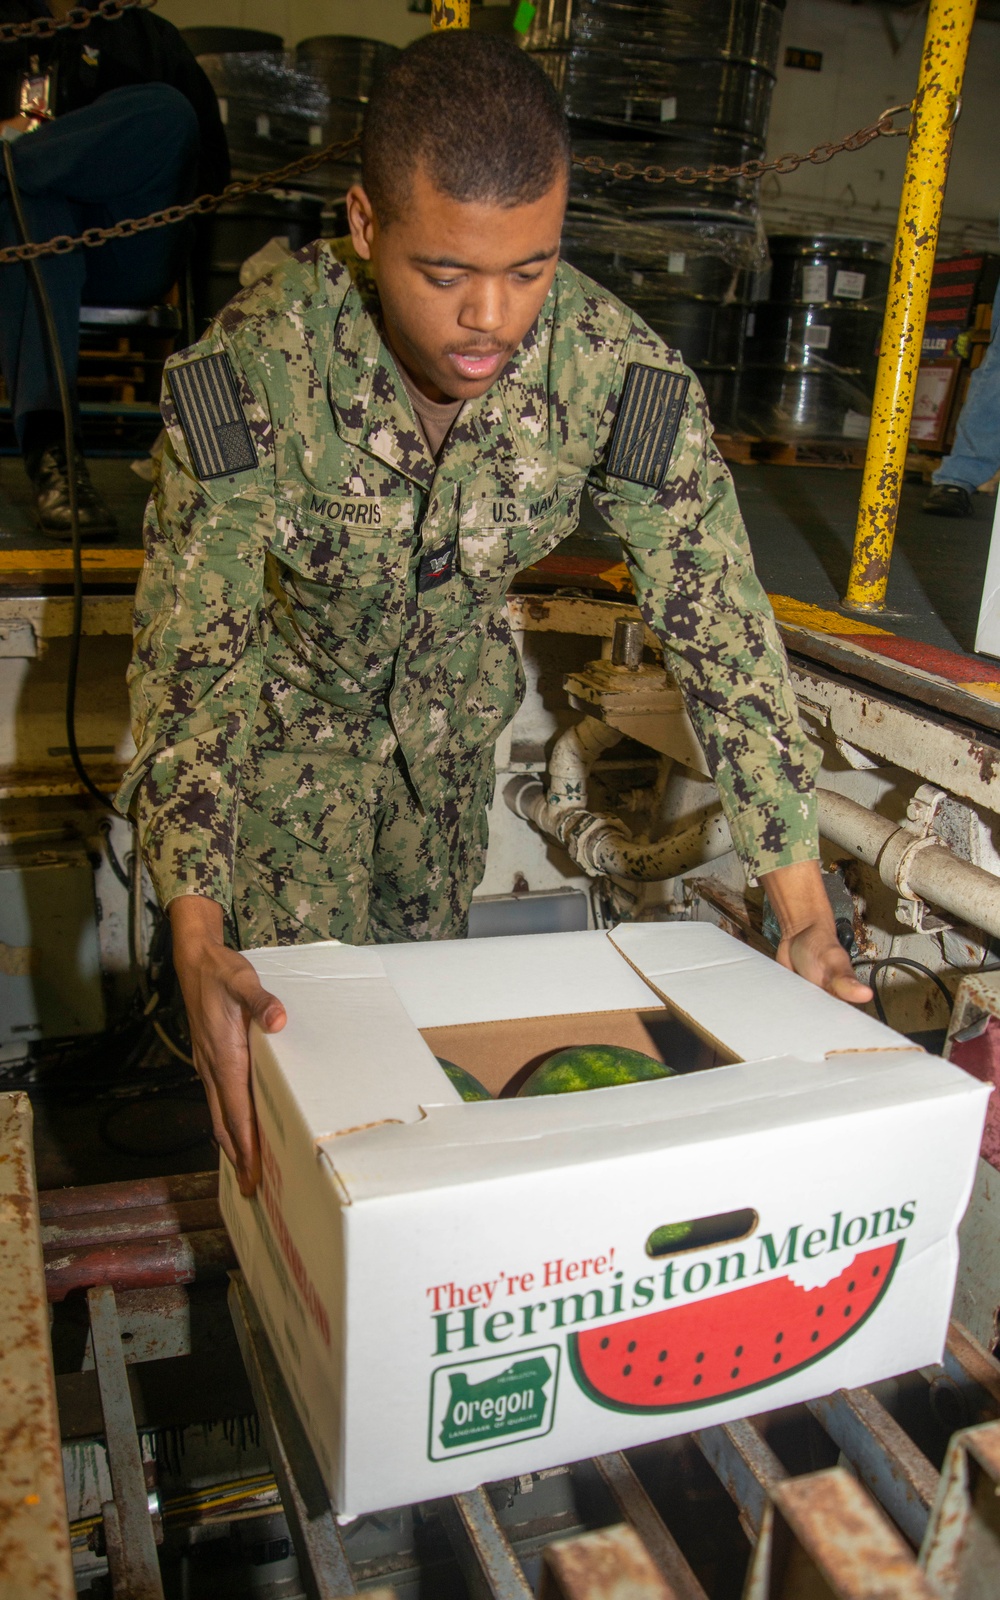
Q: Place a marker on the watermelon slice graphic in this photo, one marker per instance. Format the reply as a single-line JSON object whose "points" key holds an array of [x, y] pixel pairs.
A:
{"points": [[710, 1350]]}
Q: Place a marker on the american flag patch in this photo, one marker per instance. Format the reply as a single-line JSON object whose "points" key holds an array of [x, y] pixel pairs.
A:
{"points": [[208, 405], [649, 416]]}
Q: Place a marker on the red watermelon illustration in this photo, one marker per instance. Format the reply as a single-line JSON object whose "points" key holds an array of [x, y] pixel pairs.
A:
{"points": [[710, 1350]]}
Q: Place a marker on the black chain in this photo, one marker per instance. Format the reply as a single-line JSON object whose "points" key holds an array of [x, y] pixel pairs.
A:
{"points": [[63, 243], [79, 17]]}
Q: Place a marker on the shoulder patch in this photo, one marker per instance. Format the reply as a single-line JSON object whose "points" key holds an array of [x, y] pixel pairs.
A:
{"points": [[210, 412], [649, 416]]}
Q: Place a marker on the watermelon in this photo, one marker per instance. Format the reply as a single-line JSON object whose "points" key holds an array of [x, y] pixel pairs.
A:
{"points": [[593, 1066], [709, 1350], [468, 1087]]}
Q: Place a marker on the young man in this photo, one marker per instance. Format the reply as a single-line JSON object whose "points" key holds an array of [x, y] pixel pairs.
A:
{"points": [[361, 457]]}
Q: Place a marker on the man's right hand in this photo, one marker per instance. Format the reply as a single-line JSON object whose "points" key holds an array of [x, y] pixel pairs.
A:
{"points": [[223, 995]]}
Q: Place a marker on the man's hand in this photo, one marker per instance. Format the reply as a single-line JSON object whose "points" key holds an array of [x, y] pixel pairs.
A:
{"points": [[223, 995], [809, 943]]}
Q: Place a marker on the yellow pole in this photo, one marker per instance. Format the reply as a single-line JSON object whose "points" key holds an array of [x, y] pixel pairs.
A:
{"points": [[946, 45], [449, 14]]}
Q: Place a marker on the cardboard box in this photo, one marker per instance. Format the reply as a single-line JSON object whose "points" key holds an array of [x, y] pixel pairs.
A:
{"points": [[463, 1292]]}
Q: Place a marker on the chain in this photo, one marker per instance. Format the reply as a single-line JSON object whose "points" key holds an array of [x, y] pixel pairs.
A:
{"points": [[79, 17], [63, 243], [622, 171]]}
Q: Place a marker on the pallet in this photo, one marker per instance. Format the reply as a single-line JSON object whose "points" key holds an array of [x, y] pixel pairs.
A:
{"points": [[747, 451]]}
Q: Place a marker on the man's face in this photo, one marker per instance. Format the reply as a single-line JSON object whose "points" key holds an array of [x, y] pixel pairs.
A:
{"points": [[460, 283]]}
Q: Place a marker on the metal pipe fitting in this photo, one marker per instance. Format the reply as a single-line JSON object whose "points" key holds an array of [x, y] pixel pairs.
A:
{"points": [[916, 866]]}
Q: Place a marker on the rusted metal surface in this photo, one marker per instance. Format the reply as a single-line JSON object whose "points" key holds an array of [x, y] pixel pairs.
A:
{"points": [[862, 670], [449, 14], [35, 1555], [635, 1504], [144, 1263], [974, 1371], [137, 1192], [324, 1568], [823, 1538], [961, 1552], [610, 1564], [131, 1545], [884, 1457], [489, 1566], [939, 87], [747, 1467], [139, 1222]]}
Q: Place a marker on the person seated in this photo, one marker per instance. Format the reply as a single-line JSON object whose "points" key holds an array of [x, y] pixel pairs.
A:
{"points": [[110, 121]]}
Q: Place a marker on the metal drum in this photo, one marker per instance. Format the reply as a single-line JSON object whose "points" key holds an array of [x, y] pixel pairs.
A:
{"points": [[812, 348], [242, 227], [224, 41]]}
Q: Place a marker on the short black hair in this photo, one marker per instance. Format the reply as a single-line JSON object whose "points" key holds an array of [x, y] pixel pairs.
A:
{"points": [[477, 113]]}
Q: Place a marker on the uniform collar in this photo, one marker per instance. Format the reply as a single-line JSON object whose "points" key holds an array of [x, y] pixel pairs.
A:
{"points": [[372, 411]]}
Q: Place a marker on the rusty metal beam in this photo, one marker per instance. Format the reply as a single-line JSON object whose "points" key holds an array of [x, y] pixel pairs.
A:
{"points": [[636, 1506], [324, 1569], [139, 1222], [973, 1370], [822, 1538], [746, 1466], [885, 1458], [935, 108], [129, 1537], [611, 1564], [961, 1552], [35, 1556], [489, 1565]]}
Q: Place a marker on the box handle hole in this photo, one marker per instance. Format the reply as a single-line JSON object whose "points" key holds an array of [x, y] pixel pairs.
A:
{"points": [[698, 1233]]}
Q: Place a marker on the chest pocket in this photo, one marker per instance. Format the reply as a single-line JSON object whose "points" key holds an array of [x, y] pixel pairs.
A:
{"points": [[351, 548], [499, 537]]}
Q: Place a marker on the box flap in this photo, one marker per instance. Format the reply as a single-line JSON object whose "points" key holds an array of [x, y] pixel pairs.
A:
{"points": [[744, 1000], [491, 980], [495, 1140], [349, 1051]]}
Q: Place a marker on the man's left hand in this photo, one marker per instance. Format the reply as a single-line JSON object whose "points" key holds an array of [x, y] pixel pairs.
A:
{"points": [[809, 943]]}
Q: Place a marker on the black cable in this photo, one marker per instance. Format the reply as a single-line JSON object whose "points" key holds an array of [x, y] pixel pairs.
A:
{"points": [[902, 961], [65, 401]]}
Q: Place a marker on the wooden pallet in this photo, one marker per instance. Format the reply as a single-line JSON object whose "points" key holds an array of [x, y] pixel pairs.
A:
{"points": [[747, 451]]}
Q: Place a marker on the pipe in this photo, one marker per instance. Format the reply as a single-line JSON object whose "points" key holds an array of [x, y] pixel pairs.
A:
{"points": [[135, 1222], [141, 1264], [88, 1198], [916, 866], [450, 14], [602, 845], [946, 45]]}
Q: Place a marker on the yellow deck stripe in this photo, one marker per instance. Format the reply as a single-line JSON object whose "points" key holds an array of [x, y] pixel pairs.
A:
{"points": [[95, 561], [802, 614]]}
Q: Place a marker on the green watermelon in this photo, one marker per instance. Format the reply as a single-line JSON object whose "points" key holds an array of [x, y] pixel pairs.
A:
{"points": [[709, 1350], [468, 1087], [593, 1066]]}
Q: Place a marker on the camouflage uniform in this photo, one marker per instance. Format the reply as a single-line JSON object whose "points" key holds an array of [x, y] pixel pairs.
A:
{"points": [[322, 659]]}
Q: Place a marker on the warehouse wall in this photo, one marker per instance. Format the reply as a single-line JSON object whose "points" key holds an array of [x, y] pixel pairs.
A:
{"points": [[299, 19], [871, 57]]}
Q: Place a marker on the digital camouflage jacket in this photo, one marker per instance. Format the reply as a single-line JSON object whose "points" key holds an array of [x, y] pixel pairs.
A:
{"points": [[318, 595]]}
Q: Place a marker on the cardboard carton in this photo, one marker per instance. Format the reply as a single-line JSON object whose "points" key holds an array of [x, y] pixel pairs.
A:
{"points": [[462, 1292]]}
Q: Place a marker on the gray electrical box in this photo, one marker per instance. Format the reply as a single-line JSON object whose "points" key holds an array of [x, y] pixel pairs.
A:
{"points": [[50, 972]]}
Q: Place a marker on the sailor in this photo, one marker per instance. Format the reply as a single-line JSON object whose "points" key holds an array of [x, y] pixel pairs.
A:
{"points": [[364, 450]]}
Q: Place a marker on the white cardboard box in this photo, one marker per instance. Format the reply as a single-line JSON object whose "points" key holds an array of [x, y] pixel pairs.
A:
{"points": [[463, 1292]]}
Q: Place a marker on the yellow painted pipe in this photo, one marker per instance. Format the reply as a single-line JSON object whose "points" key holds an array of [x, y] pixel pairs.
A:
{"points": [[449, 14], [946, 45]]}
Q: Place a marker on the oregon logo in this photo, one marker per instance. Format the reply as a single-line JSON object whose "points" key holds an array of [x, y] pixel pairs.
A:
{"points": [[480, 1405]]}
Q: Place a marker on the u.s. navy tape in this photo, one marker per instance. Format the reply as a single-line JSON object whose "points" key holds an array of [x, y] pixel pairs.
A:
{"points": [[649, 416], [210, 412]]}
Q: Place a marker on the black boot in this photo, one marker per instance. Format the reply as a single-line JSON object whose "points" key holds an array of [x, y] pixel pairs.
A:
{"points": [[949, 500], [47, 471]]}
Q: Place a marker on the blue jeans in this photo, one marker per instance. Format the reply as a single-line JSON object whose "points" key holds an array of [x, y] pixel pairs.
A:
{"points": [[132, 151], [975, 455]]}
